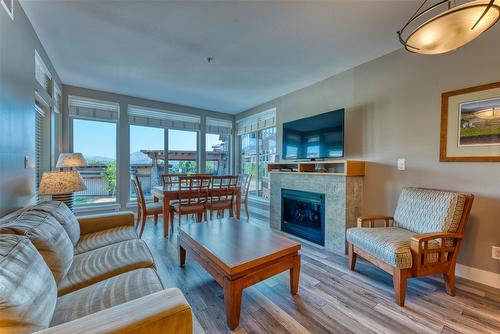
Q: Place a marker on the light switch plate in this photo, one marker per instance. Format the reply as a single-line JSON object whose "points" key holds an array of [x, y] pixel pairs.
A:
{"points": [[401, 164]]}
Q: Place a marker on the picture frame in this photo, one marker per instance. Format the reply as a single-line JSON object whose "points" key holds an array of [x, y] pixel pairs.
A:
{"points": [[470, 124]]}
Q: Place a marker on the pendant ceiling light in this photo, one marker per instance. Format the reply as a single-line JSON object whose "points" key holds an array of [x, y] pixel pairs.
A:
{"points": [[449, 30]]}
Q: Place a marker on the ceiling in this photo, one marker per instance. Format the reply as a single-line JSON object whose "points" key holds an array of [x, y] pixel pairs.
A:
{"points": [[261, 50]]}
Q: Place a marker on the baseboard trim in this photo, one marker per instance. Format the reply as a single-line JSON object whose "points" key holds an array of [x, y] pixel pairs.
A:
{"points": [[478, 275]]}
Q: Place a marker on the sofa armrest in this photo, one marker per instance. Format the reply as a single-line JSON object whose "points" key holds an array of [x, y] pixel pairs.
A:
{"points": [[95, 223], [372, 219], [165, 311]]}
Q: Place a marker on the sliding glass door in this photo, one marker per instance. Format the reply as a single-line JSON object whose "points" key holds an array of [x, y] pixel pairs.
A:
{"points": [[257, 149]]}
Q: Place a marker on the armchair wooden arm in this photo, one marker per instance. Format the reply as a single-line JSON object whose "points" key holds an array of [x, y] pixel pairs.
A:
{"points": [[388, 220], [420, 249]]}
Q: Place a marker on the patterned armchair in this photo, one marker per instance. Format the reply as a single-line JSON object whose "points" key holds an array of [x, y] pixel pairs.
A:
{"points": [[423, 238]]}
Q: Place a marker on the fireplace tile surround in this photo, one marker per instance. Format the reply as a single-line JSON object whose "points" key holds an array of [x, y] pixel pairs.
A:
{"points": [[343, 200]]}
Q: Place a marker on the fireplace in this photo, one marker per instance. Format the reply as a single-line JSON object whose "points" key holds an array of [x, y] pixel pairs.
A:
{"points": [[303, 214]]}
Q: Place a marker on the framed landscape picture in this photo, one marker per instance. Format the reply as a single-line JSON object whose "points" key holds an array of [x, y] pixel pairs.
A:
{"points": [[470, 124]]}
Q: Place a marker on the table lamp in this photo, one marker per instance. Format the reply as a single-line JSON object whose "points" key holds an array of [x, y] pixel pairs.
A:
{"points": [[70, 160], [61, 185]]}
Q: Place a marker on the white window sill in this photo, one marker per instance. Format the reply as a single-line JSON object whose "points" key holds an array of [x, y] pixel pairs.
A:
{"points": [[97, 208]]}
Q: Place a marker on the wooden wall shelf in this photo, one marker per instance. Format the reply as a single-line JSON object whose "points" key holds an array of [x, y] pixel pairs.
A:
{"points": [[331, 167]]}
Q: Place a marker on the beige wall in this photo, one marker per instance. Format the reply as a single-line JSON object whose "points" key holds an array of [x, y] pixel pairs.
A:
{"points": [[392, 111]]}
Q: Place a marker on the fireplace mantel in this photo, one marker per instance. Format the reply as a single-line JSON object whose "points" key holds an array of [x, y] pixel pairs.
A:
{"points": [[343, 200]]}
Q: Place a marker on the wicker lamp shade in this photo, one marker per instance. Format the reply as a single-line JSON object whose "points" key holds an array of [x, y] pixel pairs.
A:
{"points": [[71, 160]]}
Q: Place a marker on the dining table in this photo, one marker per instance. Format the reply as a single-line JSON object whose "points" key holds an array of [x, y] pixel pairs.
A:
{"points": [[170, 192]]}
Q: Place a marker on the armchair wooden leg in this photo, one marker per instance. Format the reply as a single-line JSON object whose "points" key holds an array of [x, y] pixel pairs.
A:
{"points": [[399, 279], [449, 281], [352, 256], [156, 219]]}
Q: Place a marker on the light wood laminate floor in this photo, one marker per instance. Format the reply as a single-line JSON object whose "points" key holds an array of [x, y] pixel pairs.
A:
{"points": [[331, 298]]}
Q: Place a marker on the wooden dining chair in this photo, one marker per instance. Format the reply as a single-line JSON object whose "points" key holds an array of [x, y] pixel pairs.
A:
{"points": [[193, 191], [144, 209], [244, 183], [222, 197], [170, 179]]}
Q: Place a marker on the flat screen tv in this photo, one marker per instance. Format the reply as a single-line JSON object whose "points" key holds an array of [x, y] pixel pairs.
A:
{"points": [[316, 137]]}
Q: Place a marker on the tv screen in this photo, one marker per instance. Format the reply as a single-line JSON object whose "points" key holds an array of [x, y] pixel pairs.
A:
{"points": [[316, 137]]}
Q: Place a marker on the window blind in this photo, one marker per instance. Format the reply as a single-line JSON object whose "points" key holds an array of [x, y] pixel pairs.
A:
{"points": [[57, 99], [85, 108], [39, 116], [219, 126], [161, 118], [257, 122], [42, 74]]}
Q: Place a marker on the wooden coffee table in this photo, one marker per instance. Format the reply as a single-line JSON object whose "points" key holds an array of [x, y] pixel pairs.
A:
{"points": [[239, 255]]}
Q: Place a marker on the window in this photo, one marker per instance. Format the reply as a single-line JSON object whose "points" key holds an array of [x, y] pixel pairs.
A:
{"points": [[147, 157], [96, 140], [218, 146], [257, 136], [217, 154], [267, 153], [42, 158], [94, 135], [182, 151], [248, 162], [42, 74]]}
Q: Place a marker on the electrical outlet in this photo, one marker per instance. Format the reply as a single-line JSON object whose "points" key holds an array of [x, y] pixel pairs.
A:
{"points": [[401, 164], [495, 252]]}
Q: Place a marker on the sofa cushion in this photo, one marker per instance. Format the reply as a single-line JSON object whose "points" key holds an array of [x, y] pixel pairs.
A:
{"points": [[102, 263], [105, 294], [64, 216], [104, 238], [48, 236], [426, 210], [27, 288]]}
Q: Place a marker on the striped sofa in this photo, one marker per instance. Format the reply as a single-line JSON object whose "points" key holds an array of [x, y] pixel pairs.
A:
{"points": [[62, 274]]}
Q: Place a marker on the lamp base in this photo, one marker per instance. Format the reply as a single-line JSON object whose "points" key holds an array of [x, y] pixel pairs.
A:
{"points": [[66, 198]]}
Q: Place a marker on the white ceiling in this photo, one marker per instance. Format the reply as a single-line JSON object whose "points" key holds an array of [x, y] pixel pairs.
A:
{"points": [[158, 49]]}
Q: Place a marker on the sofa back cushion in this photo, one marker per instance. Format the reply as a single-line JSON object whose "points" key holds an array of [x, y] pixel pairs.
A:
{"points": [[48, 237], [28, 291], [427, 210], [64, 216]]}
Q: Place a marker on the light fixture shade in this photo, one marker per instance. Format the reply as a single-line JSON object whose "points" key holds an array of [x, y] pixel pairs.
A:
{"points": [[64, 182], [453, 28], [71, 160]]}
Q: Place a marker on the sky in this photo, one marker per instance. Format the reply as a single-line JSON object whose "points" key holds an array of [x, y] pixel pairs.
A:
{"points": [[99, 139]]}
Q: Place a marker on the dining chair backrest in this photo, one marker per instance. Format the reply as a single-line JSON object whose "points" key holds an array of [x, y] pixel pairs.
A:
{"points": [[195, 189], [223, 187], [170, 179], [202, 174], [141, 202], [245, 186]]}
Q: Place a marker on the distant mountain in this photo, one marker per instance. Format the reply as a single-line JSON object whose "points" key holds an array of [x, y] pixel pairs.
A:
{"points": [[97, 158], [139, 158]]}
